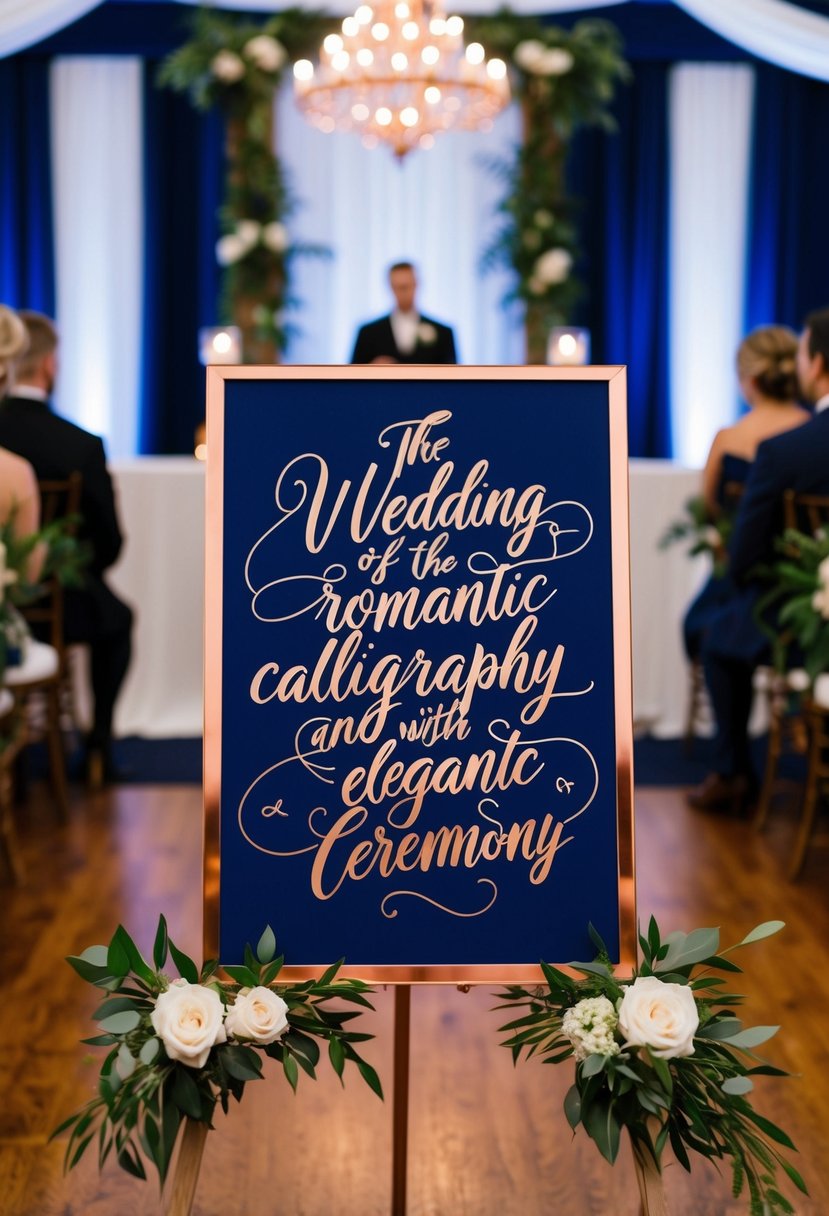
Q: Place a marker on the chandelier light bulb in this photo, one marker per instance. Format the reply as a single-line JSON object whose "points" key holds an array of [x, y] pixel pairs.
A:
{"points": [[399, 74]]}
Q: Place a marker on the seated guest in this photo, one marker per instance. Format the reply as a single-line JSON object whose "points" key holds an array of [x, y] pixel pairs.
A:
{"points": [[405, 336], [56, 448], [19, 499], [768, 381], [734, 645]]}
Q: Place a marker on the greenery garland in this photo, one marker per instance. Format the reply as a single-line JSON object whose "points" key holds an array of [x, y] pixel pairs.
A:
{"points": [[236, 64], [562, 80]]}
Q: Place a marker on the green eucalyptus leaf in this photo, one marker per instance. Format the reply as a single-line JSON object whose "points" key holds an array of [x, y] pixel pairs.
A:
{"points": [[121, 1023], [752, 1037], [160, 944], [767, 929], [186, 1092], [737, 1085], [149, 1051], [593, 1064], [686, 949], [291, 1071], [266, 946], [187, 969]]}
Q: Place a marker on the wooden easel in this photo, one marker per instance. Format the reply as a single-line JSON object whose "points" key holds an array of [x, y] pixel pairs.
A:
{"points": [[186, 1176]]}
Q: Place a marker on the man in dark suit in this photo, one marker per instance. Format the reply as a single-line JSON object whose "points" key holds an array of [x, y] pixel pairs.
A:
{"points": [[55, 447], [404, 336], [796, 460]]}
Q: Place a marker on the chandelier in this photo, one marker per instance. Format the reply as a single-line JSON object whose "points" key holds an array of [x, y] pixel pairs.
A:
{"points": [[399, 73]]}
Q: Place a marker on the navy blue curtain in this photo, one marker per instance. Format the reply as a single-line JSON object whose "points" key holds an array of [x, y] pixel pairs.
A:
{"points": [[27, 273], [621, 181], [183, 176], [788, 255]]}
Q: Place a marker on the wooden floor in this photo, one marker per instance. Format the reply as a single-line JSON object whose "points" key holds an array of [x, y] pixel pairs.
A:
{"points": [[486, 1140]]}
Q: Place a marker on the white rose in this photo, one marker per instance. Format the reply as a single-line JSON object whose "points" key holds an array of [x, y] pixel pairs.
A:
{"points": [[553, 266], [820, 602], [275, 236], [662, 1017], [227, 67], [823, 571], [798, 680], [529, 53], [230, 248], [188, 1018], [265, 52], [821, 690], [555, 62], [257, 1014], [426, 333], [248, 231]]}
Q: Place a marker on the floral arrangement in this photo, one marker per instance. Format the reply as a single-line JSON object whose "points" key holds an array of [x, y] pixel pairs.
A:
{"points": [[237, 64], [705, 534], [661, 1055], [799, 592], [65, 558], [177, 1048], [562, 80]]}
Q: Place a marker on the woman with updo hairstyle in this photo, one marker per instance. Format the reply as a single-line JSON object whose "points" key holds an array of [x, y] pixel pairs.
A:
{"points": [[19, 496], [768, 382]]}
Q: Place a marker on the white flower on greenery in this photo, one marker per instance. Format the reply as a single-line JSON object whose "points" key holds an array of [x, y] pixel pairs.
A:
{"points": [[248, 231], [820, 602], [529, 53], [189, 1020], [798, 680], [552, 267], [590, 1027], [231, 248], [543, 218], [662, 1017], [554, 62], [275, 236], [426, 333], [258, 1015], [228, 67], [264, 51], [7, 577], [823, 572], [712, 537]]}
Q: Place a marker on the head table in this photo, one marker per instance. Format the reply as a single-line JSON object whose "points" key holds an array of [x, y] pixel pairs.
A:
{"points": [[161, 574]]}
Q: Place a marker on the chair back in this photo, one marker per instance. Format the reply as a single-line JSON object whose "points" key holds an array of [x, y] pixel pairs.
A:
{"points": [[732, 494], [806, 512], [58, 500]]}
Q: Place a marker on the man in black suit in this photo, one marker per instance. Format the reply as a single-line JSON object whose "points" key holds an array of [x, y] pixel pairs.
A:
{"points": [[404, 336], [796, 460], [55, 447]]}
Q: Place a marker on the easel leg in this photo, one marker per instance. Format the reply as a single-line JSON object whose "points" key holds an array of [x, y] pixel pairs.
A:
{"points": [[186, 1177], [400, 1108]]}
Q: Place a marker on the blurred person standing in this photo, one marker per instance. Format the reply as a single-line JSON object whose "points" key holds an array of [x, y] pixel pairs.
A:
{"points": [[55, 448], [404, 336], [19, 498]]}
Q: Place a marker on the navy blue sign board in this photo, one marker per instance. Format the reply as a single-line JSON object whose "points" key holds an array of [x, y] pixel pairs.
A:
{"points": [[418, 693]]}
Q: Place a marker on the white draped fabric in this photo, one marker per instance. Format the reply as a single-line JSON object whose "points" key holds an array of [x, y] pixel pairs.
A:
{"points": [[710, 129], [782, 33], [436, 209], [24, 22], [97, 185]]}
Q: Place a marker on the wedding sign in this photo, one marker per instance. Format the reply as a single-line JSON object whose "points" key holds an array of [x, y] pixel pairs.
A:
{"points": [[418, 735]]}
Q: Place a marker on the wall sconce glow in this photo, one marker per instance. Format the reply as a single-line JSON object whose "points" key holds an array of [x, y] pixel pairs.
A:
{"points": [[568, 346], [220, 344]]}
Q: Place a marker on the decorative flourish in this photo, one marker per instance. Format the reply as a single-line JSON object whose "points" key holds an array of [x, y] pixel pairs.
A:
{"points": [[391, 913], [662, 1055], [800, 594], [236, 64], [563, 80], [178, 1047]]}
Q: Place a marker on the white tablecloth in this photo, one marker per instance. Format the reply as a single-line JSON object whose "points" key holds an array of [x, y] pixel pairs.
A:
{"points": [[161, 573]]}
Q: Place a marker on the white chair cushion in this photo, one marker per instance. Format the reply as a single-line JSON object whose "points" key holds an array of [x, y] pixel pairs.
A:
{"points": [[40, 662]]}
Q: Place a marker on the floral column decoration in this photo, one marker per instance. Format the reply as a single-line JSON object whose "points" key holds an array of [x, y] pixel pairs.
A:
{"points": [[562, 80], [237, 65]]}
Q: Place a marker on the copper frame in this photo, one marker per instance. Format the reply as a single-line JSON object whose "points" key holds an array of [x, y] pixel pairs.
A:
{"points": [[615, 378]]}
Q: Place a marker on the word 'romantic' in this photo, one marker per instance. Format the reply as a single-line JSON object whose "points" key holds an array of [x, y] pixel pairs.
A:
{"points": [[374, 504]]}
